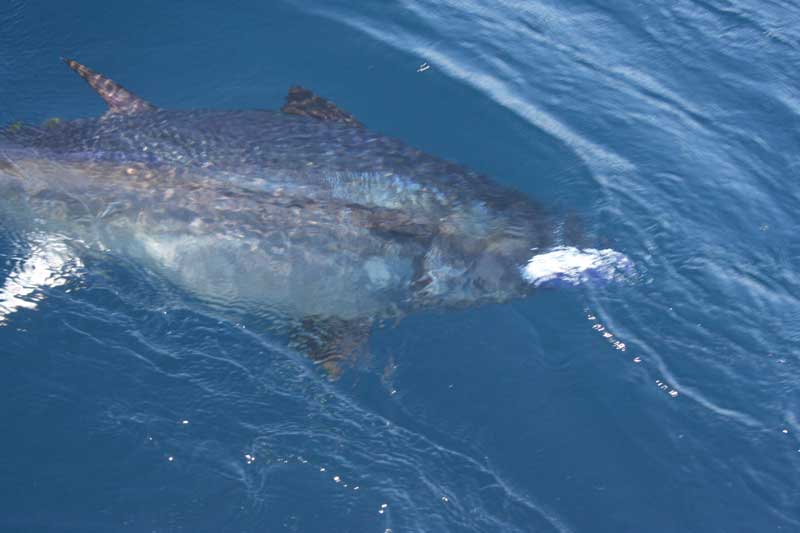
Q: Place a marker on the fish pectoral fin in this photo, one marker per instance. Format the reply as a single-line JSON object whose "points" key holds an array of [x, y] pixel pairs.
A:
{"points": [[400, 223], [301, 101], [331, 342], [119, 99]]}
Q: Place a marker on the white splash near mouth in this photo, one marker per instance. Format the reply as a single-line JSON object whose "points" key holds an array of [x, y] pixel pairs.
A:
{"points": [[568, 265]]}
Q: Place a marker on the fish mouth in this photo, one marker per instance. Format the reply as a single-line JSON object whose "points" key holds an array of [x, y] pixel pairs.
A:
{"points": [[570, 266]]}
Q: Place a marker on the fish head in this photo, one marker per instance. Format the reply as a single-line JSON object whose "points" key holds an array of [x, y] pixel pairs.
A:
{"points": [[478, 251], [485, 254]]}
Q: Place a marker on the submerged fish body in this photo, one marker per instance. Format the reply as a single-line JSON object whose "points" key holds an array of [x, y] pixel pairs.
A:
{"points": [[302, 212]]}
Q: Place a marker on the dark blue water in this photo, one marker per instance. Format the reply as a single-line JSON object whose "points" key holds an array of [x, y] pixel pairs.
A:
{"points": [[666, 403]]}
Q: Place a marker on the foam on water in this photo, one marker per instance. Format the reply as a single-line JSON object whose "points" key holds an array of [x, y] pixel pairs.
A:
{"points": [[567, 265], [49, 264]]}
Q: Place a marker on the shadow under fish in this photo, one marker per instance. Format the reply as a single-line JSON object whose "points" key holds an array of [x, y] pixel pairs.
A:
{"points": [[302, 214]]}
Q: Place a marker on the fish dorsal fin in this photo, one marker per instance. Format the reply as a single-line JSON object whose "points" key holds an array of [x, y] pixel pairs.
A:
{"points": [[301, 101], [119, 99]]}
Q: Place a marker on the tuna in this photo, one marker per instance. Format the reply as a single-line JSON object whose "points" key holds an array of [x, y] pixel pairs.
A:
{"points": [[302, 214]]}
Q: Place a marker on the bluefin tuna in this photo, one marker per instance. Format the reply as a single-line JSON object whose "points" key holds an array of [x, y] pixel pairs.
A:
{"points": [[303, 214]]}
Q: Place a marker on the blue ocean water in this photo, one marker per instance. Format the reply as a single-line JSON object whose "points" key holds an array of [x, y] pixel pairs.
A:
{"points": [[668, 402]]}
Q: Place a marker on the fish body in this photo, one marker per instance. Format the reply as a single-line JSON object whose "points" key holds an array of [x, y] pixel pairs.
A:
{"points": [[301, 212]]}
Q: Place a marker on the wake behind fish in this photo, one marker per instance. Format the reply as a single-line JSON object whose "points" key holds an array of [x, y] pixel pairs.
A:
{"points": [[49, 263]]}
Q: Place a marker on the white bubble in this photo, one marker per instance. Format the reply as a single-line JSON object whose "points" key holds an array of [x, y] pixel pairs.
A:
{"points": [[572, 265]]}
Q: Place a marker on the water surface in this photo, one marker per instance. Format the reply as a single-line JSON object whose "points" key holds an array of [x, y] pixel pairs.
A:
{"points": [[666, 403]]}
